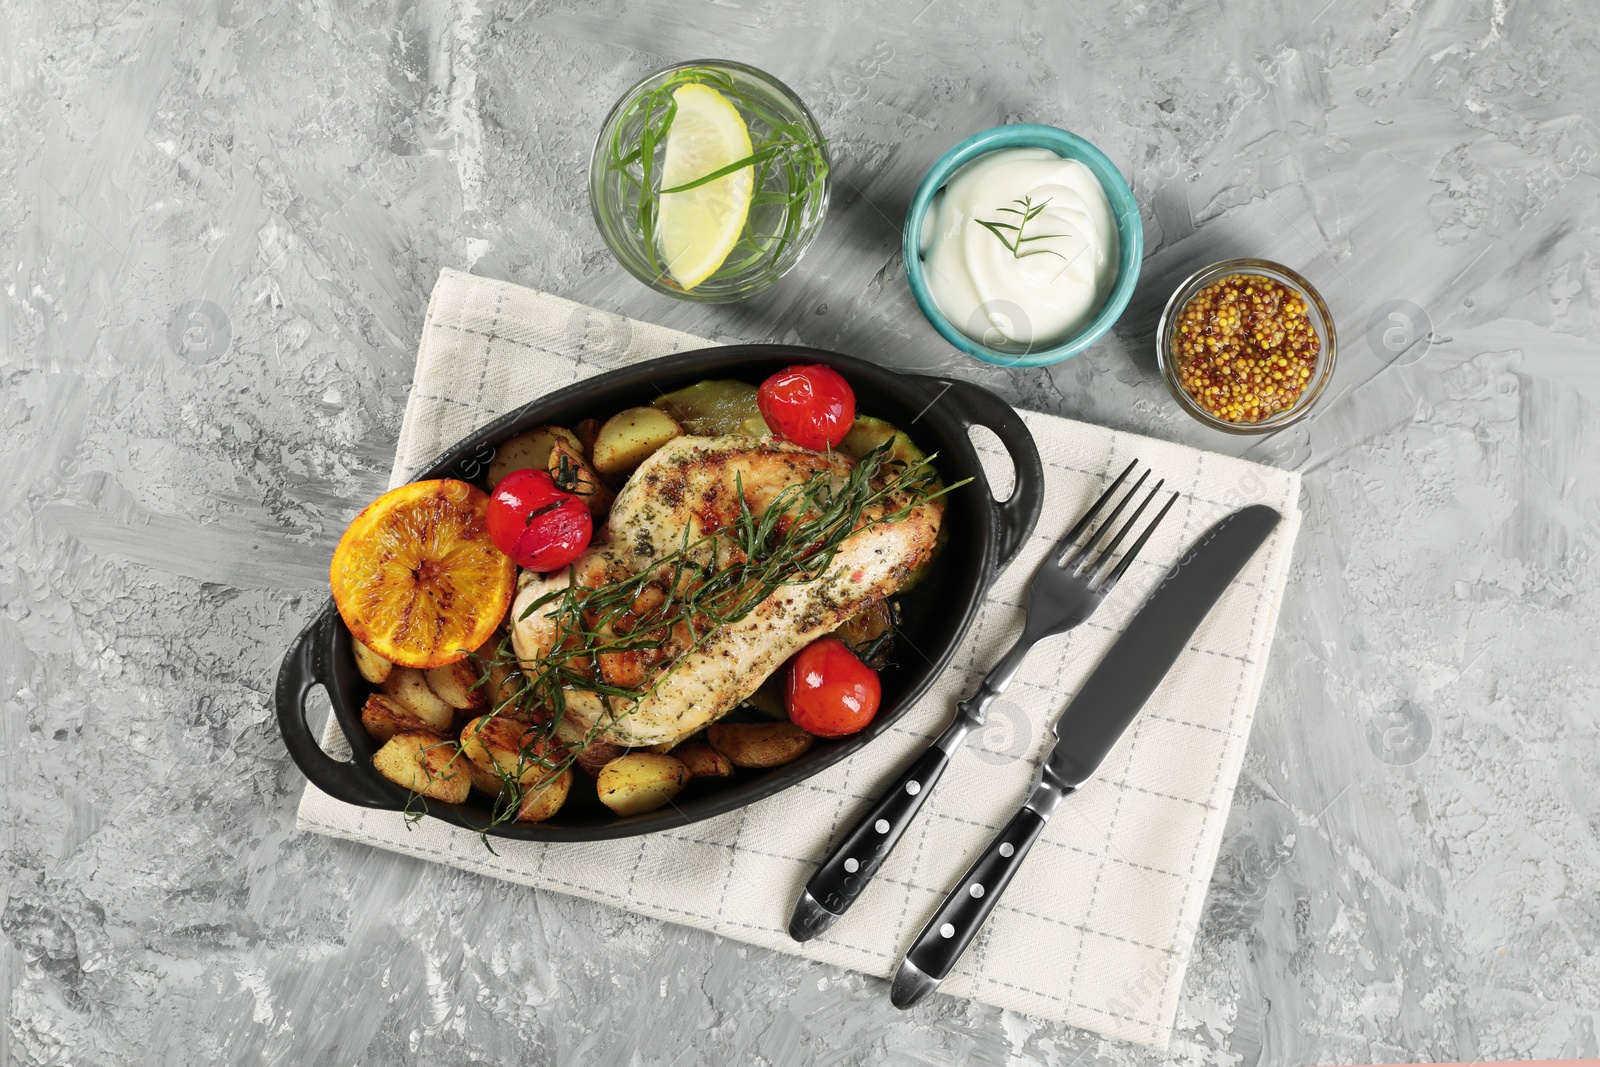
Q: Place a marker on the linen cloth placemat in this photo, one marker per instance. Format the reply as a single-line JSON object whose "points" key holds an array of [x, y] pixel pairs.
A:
{"points": [[1097, 928]]}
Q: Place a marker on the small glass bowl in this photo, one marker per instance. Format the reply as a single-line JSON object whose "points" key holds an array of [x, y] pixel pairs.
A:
{"points": [[764, 102], [1316, 311]]}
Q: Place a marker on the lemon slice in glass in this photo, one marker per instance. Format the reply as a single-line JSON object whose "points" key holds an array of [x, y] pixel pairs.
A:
{"points": [[698, 227]]}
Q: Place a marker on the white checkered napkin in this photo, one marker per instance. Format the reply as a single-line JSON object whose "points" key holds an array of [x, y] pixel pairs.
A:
{"points": [[1097, 927]]}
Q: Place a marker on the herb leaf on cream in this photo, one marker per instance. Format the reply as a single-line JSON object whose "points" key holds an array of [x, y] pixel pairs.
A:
{"points": [[1026, 214]]}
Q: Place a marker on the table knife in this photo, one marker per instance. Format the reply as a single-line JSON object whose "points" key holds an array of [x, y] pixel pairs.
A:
{"points": [[1085, 733]]}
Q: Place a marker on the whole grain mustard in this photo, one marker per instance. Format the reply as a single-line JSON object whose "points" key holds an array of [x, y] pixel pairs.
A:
{"points": [[1244, 348]]}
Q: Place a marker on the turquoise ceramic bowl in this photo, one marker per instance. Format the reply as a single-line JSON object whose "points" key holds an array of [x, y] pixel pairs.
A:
{"points": [[1130, 238]]}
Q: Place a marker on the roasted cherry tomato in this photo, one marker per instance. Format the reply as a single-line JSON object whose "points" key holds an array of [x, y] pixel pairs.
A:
{"points": [[831, 693], [812, 405], [537, 524]]}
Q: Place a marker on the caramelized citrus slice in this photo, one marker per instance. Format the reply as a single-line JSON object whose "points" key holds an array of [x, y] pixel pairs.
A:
{"points": [[416, 577]]}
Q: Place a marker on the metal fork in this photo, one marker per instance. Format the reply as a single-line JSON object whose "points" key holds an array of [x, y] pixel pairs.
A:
{"points": [[1070, 584]]}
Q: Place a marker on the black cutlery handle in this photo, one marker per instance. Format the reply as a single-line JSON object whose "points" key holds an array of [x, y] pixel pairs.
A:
{"points": [[859, 854], [964, 911]]}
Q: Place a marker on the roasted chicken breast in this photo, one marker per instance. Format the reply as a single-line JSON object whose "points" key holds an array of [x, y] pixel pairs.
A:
{"points": [[688, 494]]}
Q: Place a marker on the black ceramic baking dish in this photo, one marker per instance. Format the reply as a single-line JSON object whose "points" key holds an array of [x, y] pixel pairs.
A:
{"points": [[985, 535]]}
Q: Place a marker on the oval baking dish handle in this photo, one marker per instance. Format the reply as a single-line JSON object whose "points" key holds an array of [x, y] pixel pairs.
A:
{"points": [[303, 670], [1019, 513]]}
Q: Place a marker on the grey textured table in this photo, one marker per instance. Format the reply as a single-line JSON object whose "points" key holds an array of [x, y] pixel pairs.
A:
{"points": [[221, 224]]}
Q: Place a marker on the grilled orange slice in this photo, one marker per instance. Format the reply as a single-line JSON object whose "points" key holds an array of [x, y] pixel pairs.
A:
{"points": [[416, 577]]}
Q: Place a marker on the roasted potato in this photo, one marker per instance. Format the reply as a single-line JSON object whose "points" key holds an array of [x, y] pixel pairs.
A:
{"points": [[484, 769], [628, 438], [759, 744], [541, 803], [590, 755], [384, 717], [410, 687], [371, 666], [703, 761], [640, 781], [571, 472], [587, 430], [459, 684], [425, 763], [501, 690], [505, 747], [529, 450], [487, 782], [502, 749]]}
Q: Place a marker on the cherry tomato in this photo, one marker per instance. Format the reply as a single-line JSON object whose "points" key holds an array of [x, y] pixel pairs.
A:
{"points": [[537, 524], [831, 693], [812, 406]]}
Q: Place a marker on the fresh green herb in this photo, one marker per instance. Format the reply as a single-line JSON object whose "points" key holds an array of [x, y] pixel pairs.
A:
{"points": [[791, 167], [566, 477], [1025, 214]]}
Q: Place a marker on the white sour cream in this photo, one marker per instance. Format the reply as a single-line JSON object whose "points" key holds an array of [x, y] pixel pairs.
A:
{"points": [[1035, 293]]}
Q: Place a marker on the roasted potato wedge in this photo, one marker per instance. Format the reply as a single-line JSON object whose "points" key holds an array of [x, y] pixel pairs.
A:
{"points": [[587, 430], [500, 691], [591, 756], [759, 744], [486, 782], [384, 717], [703, 761], [504, 749], [371, 666], [459, 685], [541, 803], [529, 450], [640, 781], [425, 763], [628, 438], [571, 472], [410, 687]]}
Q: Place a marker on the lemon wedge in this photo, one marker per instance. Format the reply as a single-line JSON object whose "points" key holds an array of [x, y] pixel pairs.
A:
{"points": [[699, 227]]}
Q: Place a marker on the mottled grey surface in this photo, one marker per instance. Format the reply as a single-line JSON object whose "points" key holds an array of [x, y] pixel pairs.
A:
{"points": [[1412, 864]]}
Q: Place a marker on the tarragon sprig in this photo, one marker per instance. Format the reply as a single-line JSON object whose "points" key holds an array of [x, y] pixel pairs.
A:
{"points": [[1026, 214]]}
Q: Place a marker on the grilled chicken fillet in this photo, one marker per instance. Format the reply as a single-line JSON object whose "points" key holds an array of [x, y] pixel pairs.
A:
{"points": [[689, 489]]}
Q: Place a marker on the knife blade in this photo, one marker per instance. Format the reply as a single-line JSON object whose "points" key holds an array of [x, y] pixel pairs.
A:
{"points": [[1086, 732], [1140, 658]]}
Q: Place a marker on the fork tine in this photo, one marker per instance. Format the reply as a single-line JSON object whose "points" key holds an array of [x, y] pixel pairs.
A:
{"points": [[1072, 561], [1127, 560], [1088, 516], [1102, 561]]}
